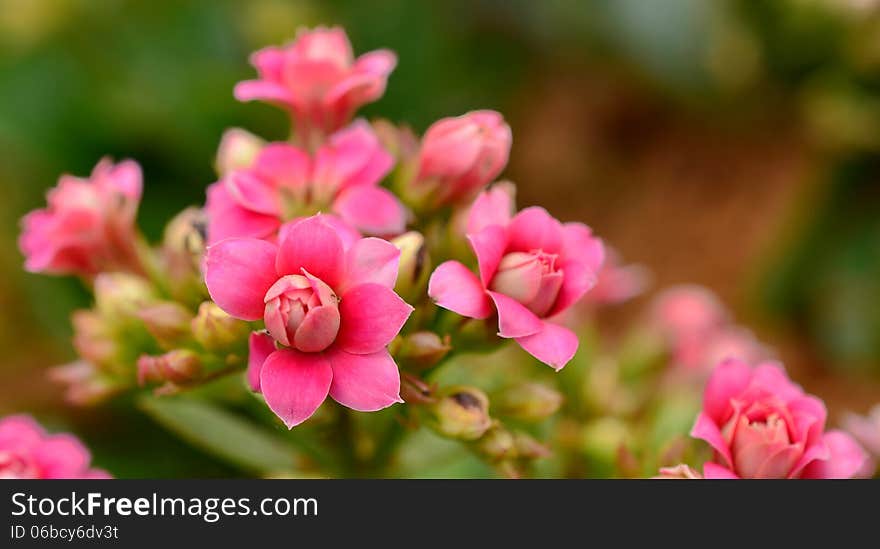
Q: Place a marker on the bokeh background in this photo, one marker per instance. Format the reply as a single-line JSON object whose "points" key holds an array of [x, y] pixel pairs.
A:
{"points": [[733, 144]]}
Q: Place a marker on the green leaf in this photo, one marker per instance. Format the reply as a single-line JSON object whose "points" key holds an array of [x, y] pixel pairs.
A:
{"points": [[221, 433]]}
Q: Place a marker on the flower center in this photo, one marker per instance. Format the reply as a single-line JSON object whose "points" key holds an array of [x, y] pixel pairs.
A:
{"points": [[531, 278], [302, 312]]}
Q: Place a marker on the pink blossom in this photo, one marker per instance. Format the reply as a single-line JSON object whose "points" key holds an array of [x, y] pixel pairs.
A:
{"points": [[329, 310], [531, 268], [616, 282], [88, 224], [317, 79], [866, 430], [28, 452], [284, 183], [459, 156], [761, 425]]}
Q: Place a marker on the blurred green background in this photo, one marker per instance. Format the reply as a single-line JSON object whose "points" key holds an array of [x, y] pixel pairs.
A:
{"points": [[734, 144]]}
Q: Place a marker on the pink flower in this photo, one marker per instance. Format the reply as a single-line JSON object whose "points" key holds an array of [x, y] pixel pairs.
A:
{"points": [[866, 430], [317, 79], [330, 312], [531, 268], [88, 225], [27, 452], [616, 282], [761, 425], [459, 156], [285, 183]]}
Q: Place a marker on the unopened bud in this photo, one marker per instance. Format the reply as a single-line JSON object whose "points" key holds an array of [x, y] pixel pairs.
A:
{"points": [[421, 350], [237, 150], [122, 294], [601, 439], [530, 402], [167, 322], [185, 235], [415, 265], [178, 366], [528, 448], [84, 384], [679, 472], [497, 444], [461, 412], [93, 337], [217, 331]]}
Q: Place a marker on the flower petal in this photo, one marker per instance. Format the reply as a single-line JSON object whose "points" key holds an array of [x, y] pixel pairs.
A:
{"points": [[372, 315], [845, 460], [489, 246], [577, 281], [579, 244], [227, 219], [62, 456], [260, 346], [706, 429], [554, 345], [364, 382], [295, 384], [314, 246], [514, 319], [729, 379], [238, 273], [492, 207], [372, 210], [371, 260], [454, 287], [717, 472], [535, 229]]}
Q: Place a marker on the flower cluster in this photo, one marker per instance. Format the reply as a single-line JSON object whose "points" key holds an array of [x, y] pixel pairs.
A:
{"points": [[308, 274]]}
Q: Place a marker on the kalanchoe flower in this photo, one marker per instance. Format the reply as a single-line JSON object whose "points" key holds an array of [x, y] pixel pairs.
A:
{"points": [[531, 268], [616, 282], [460, 412], [317, 79], [284, 183], [866, 430], [28, 452], [761, 425], [330, 312], [459, 156], [88, 224]]}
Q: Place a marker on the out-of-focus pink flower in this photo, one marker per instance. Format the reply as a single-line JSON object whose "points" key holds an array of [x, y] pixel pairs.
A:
{"points": [[531, 268], [330, 313], [617, 282], [317, 79], [459, 156], [761, 425], [687, 312], [27, 452], [866, 430], [284, 183], [88, 224], [679, 472]]}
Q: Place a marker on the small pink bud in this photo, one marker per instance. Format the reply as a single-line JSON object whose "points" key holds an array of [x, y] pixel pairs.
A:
{"points": [[302, 312], [215, 330], [421, 350], [167, 322], [94, 338], [122, 294], [237, 150], [497, 444], [84, 384], [527, 447], [459, 156], [679, 472], [177, 367]]}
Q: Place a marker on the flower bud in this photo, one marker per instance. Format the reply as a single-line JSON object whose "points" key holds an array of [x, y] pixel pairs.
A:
{"points": [[84, 384], [177, 367], [421, 350], [530, 402], [121, 294], [679, 472], [527, 447], [497, 444], [415, 266], [167, 322], [93, 338], [215, 330], [185, 236], [461, 412], [237, 150]]}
